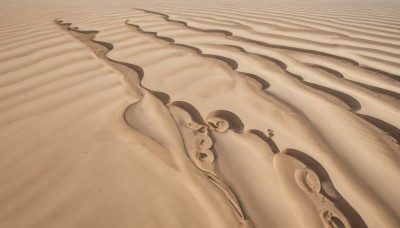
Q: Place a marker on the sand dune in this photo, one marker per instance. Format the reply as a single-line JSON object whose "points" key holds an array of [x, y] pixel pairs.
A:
{"points": [[207, 114]]}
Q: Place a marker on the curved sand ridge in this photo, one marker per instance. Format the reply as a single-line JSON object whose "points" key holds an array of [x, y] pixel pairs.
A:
{"points": [[179, 116]]}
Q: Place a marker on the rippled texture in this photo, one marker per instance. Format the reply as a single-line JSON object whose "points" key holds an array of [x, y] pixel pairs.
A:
{"points": [[200, 115]]}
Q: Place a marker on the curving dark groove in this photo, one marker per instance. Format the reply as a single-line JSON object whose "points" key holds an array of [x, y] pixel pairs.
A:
{"points": [[350, 101], [105, 44], [190, 109], [75, 29], [384, 73], [234, 46], [166, 17], [377, 89], [296, 76], [135, 68], [339, 201], [264, 84], [232, 63], [110, 47], [281, 64], [197, 50], [391, 130], [266, 139], [235, 123], [366, 86], [326, 69], [170, 40], [163, 97]]}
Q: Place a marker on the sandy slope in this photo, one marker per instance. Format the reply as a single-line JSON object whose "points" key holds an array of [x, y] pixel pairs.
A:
{"points": [[192, 115]]}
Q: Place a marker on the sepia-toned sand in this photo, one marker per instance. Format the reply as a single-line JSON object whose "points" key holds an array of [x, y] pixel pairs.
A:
{"points": [[208, 114]]}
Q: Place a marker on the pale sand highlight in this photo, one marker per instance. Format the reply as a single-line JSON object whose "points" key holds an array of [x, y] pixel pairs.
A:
{"points": [[200, 115]]}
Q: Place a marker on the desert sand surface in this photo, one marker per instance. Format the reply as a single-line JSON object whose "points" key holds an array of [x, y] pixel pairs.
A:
{"points": [[215, 114]]}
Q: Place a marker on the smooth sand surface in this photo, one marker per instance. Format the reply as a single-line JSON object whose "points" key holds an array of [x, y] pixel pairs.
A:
{"points": [[211, 114]]}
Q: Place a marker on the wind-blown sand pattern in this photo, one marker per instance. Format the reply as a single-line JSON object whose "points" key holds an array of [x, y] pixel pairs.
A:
{"points": [[218, 115]]}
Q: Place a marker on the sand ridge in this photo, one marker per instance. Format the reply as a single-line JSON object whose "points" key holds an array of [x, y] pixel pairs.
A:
{"points": [[190, 116]]}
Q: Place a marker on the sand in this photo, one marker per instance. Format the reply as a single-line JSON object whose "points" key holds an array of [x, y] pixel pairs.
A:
{"points": [[208, 114]]}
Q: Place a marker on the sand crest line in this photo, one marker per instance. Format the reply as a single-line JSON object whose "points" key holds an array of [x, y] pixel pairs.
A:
{"points": [[369, 87]]}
